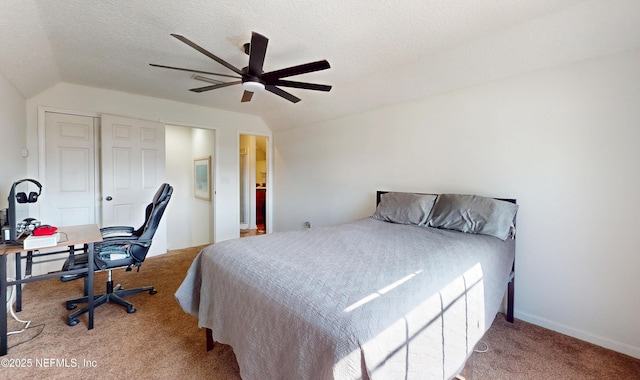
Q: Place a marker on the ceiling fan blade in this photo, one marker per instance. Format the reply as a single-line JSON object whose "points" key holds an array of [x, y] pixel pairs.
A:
{"points": [[296, 70], [257, 51], [194, 71], [208, 54], [303, 85], [206, 79], [283, 93], [246, 96], [215, 86]]}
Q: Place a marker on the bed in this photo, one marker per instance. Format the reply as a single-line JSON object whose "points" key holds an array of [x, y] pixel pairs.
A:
{"points": [[404, 294]]}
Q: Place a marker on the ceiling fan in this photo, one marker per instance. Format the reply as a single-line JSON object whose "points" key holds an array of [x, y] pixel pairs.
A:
{"points": [[252, 78]]}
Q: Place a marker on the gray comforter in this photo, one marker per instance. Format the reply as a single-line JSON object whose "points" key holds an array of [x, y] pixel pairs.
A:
{"points": [[367, 299]]}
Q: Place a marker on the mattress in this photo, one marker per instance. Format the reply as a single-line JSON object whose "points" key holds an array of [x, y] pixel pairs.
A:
{"points": [[361, 300]]}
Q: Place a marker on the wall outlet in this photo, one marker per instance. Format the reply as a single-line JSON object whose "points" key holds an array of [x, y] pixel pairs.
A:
{"points": [[307, 224]]}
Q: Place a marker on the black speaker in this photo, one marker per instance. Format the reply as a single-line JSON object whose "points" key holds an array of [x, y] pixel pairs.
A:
{"points": [[22, 197], [28, 225]]}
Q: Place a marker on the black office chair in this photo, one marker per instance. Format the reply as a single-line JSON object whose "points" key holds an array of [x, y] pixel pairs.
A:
{"points": [[121, 247]]}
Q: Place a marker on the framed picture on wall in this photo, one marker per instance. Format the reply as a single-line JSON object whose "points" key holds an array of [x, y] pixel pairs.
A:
{"points": [[202, 178]]}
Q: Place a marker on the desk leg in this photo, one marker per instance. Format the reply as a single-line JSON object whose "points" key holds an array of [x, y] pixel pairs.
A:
{"points": [[18, 287], [91, 269], [3, 310]]}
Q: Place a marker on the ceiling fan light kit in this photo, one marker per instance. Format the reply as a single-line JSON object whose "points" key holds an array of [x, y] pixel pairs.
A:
{"points": [[252, 78], [252, 86]]}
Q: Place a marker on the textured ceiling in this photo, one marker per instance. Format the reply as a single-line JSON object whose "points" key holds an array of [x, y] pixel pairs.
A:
{"points": [[381, 52]]}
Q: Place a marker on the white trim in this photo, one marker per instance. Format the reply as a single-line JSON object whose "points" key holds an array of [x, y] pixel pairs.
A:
{"points": [[243, 222], [97, 167], [67, 111], [188, 125], [611, 344]]}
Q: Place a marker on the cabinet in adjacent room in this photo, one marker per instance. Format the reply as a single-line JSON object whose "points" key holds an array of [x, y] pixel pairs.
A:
{"points": [[260, 207]]}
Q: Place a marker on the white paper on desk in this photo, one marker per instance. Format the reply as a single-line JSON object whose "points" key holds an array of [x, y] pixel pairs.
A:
{"points": [[116, 256], [35, 242]]}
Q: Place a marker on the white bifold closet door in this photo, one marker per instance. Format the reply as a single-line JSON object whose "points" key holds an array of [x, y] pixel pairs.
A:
{"points": [[132, 170], [69, 193]]}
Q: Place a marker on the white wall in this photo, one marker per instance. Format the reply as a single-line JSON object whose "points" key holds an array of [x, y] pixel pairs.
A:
{"points": [[93, 100], [563, 141], [12, 127], [203, 143], [190, 220], [178, 215]]}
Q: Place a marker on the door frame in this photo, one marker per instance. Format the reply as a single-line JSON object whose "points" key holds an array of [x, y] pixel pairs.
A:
{"points": [[244, 222], [215, 169], [269, 197]]}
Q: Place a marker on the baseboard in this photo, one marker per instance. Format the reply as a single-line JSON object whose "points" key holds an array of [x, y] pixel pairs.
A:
{"points": [[611, 344]]}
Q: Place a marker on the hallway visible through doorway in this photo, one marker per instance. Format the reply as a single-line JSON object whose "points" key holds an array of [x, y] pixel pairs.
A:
{"points": [[254, 232], [253, 184]]}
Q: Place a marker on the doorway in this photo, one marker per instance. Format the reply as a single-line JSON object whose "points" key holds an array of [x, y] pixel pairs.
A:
{"points": [[253, 184], [190, 221]]}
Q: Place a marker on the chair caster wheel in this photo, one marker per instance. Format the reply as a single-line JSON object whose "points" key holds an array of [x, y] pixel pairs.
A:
{"points": [[71, 306], [153, 291], [131, 310], [72, 322]]}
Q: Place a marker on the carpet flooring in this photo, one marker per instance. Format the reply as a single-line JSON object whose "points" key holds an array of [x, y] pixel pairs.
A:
{"points": [[160, 341]]}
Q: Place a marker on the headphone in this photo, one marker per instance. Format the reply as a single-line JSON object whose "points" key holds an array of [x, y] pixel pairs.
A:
{"points": [[22, 197]]}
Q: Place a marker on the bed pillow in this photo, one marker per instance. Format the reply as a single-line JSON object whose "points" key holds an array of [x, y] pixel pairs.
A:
{"points": [[473, 214], [404, 208]]}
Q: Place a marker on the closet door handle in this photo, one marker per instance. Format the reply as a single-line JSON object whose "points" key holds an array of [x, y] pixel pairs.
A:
{"points": [[109, 198]]}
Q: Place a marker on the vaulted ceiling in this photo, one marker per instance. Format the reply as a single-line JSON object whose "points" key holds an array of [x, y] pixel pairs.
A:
{"points": [[382, 52]]}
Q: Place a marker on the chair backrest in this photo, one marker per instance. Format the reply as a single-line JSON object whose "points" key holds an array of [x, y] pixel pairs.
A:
{"points": [[154, 213], [159, 196]]}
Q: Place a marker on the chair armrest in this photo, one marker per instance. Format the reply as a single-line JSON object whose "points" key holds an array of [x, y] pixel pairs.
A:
{"points": [[116, 230], [122, 241], [106, 248]]}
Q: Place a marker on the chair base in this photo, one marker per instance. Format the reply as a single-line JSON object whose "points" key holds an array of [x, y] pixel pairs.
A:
{"points": [[111, 295]]}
